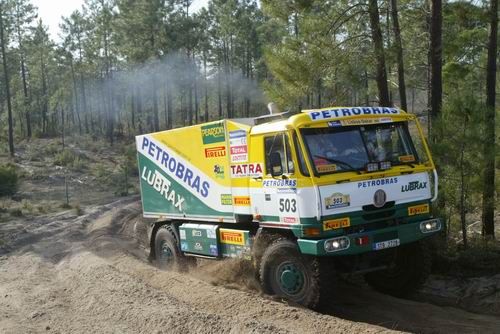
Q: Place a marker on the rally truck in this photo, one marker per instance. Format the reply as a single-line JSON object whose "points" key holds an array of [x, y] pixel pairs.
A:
{"points": [[304, 197]]}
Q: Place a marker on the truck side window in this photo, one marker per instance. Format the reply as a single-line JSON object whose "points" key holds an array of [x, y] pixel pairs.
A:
{"points": [[279, 144]]}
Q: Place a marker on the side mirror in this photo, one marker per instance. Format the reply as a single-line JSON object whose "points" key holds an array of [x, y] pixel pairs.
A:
{"points": [[275, 164]]}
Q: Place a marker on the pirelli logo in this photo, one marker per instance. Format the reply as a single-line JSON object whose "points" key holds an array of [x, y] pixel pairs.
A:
{"points": [[232, 237], [215, 152], [336, 224], [241, 200], [418, 209]]}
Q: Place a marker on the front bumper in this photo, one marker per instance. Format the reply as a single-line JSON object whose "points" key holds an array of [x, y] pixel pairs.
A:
{"points": [[405, 233]]}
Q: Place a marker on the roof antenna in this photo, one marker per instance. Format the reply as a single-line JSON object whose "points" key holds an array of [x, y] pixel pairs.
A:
{"points": [[273, 108]]}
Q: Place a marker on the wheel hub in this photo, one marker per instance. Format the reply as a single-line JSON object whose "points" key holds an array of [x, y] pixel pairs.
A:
{"points": [[291, 278]]}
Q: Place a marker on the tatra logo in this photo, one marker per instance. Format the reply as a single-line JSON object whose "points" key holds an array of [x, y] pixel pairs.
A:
{"points": [[245, 170], [414, 185], [379, 198]]}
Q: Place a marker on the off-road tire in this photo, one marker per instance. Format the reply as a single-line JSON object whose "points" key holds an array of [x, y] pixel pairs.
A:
{"points": [[283, 255], [411, 268], [168, 255]]}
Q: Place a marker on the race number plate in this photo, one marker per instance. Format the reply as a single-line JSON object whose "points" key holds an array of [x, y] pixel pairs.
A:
{"points": [[386, 244]]}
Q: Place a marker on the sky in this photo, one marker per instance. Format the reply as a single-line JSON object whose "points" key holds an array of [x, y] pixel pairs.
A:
{"points": [[50, 11]]}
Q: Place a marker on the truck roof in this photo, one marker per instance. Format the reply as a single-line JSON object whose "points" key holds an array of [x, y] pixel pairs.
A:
{"points": [[279, 122]]}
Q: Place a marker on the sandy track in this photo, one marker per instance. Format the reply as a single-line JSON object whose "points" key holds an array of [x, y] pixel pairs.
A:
{"points": [[68, 274]]}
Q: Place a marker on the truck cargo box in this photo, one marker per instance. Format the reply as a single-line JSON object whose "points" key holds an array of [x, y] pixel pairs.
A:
{"points": [[196, 173]]}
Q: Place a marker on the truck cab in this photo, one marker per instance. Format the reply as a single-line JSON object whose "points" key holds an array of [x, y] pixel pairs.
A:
{"points": [[345, 180]]}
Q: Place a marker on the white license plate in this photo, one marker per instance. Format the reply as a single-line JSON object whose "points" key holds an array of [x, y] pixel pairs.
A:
{"points": [[386, 244]]}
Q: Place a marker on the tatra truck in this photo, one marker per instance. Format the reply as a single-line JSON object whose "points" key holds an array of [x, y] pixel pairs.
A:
{"points": [[304, 197]]}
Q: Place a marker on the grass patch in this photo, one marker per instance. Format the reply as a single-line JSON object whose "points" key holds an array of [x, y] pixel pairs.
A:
{"points": [[8, 180]]}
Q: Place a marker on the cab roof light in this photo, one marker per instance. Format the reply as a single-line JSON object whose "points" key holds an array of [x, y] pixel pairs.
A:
{"points": [[372, 167]]}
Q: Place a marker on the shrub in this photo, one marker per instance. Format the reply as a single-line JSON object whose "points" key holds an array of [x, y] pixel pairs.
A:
{"points": [[8, 180]]}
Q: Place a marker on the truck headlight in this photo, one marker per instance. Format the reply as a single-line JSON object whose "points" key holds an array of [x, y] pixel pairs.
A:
{"points": [[431, 225], [337, 244]]}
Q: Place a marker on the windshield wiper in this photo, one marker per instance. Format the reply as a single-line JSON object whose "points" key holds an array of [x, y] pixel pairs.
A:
{"points": [[335, 161]]}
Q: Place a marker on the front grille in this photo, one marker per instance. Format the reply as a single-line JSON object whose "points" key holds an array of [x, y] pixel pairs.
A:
{"points": [[385, 236]]}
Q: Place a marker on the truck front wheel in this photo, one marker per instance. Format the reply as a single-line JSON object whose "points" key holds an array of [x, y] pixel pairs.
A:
{"points": [[167, 253], [407, 273], [285, 272]]}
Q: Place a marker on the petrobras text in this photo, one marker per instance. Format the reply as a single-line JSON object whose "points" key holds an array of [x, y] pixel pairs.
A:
{"points": [[272, 183], [174, 167], [346, 112]]}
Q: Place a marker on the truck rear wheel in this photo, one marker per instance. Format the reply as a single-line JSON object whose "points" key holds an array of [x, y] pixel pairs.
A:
{"points": [[409, 271], [285, 272], [167, 253]]}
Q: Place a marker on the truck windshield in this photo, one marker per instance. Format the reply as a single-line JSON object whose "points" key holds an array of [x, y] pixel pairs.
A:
{"points": [[349, 148]]}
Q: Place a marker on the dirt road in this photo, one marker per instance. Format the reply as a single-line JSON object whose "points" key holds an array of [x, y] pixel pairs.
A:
{"points": [[88, 274]]}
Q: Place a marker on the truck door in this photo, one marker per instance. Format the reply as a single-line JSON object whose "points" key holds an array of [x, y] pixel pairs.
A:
{"points": [[275, 198]]}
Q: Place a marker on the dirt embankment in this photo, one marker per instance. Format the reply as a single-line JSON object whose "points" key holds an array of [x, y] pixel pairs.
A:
{"points": [[67, 274]]}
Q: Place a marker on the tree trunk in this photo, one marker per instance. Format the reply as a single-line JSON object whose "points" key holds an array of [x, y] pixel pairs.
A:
{"points": [[206, 86], [3, 42], [75, 92], [489, 147], [399, 51], [436, 58], [381, 75]]}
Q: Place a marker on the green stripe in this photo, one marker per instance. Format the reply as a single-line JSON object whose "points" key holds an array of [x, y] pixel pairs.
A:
{"points": [[154, 202]]}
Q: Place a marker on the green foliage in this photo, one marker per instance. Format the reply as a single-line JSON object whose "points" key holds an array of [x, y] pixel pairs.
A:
{"points": [[8, 180], [458, 155], [70, 159]]}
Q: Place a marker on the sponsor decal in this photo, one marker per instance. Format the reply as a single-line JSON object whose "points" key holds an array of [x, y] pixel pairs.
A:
{"points": [[176, 169], [418, 209], [219, 171], [232, 237], [272, 183], [241, 200], [239, 150], [268, 197], [182, 234], [215, 152], [413, 185], [213, 133], [333, 124], [196, 233], [406, 158], [336, 223], [211, 234], [366, 121], [162, 185], [289, 220], [198, 246], [226, 199], [346, 112], [213, 250], [326, 168], [184, 246], [238, 146], [377, 182], [337, 200], [246, 170]]}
